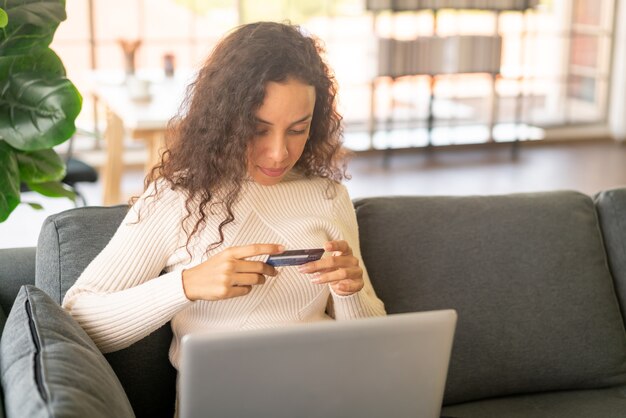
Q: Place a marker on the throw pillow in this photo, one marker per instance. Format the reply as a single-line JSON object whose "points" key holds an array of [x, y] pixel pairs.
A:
{"points": [[51, 368]]}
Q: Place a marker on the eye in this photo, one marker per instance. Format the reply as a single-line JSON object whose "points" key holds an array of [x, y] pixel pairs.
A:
{"points": [[296, 132], [298, 129], [260, 132]]}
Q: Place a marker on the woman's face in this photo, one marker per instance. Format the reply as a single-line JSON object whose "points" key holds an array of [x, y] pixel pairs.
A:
{"points": [[283, 123]]}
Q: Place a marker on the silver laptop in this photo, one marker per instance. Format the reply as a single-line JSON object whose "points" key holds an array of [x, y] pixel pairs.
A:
{"points": [[393, 366]]}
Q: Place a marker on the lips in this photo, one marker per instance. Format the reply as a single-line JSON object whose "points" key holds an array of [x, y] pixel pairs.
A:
{"points": [[273, 172]]}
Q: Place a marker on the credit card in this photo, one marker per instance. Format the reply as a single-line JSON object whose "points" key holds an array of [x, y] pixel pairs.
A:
{"points": [[295, 257]]}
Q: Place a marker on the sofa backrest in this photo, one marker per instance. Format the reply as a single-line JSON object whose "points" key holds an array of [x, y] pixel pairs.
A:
{"points": [[527, 274], [67, 243]]}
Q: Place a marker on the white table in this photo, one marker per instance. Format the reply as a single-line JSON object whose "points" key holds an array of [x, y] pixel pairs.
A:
{"points": [[140, 119]]}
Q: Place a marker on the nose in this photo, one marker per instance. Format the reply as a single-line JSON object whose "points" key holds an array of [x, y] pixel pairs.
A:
{"points": [[277, 148]]}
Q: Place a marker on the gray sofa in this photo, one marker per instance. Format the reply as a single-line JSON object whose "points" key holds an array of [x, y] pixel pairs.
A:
{"points": [[538, 281]]}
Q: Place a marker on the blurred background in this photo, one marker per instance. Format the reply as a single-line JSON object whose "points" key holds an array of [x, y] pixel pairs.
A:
{"points": [[438, 97]]}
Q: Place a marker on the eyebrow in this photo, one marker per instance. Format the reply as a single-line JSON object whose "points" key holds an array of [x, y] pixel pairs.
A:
{"points": [[259, 120]]}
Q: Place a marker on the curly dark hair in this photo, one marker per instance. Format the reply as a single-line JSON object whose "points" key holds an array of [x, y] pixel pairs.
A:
{"points": [[208, 139]]}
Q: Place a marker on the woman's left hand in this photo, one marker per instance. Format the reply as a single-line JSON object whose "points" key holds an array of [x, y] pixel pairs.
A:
{"points": [[341, 271]]}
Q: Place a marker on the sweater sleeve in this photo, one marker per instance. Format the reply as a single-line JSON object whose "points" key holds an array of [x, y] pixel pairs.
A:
{"points": [[363, 303], [120, 297]]}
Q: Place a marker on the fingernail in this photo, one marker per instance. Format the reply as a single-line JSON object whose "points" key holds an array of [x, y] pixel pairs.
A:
{"points": [[303, 269], [281, 248]]}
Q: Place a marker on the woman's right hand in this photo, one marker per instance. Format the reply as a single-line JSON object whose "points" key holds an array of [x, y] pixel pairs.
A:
{"points": [[227, 275]]}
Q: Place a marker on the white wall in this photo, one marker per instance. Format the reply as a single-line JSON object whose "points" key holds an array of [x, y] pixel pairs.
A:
{"points": [[617, 106]]}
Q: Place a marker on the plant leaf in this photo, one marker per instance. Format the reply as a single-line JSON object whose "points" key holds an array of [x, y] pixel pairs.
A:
{"points": [[43, 13], [40, 166], [19, 41], [34, 205], [53, 189], [9, 181], [37, 113], [4, 18], [45, 62], [31, 25]]}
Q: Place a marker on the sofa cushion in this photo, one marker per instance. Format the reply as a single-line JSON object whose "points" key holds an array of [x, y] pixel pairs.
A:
{"points": [[67, 243], [527, 274], [611, 207], [605, 403], [50, 366]]}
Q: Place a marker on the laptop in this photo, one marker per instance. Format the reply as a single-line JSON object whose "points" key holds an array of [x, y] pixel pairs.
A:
{"points": [[392, 366]]}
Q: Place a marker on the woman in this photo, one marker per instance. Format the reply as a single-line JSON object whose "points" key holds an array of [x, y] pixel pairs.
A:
{"points": [[252, 169]]}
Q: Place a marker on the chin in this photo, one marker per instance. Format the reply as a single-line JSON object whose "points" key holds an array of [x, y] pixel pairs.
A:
{"points": [[264, 180]]}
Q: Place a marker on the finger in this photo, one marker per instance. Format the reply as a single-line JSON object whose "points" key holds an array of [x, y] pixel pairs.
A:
{"points": [[329, 263], [245, 266], [254, 249], [350, 273], [340, 246], [248, 279]]}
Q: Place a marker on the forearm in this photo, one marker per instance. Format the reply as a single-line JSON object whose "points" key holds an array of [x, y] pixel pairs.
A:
{"points": [[118, 319]]}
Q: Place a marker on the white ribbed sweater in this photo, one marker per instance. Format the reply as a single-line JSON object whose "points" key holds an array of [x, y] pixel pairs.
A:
{"points": [[120, 297]]}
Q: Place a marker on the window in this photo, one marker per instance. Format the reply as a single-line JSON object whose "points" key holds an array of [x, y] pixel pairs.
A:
{"points": [[553, 67]]}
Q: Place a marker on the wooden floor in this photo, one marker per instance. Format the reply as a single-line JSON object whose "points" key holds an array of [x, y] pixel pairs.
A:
{"points": [[589, 167], [584, 166]]}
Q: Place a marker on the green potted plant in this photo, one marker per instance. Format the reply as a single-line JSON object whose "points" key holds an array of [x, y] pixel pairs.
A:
{"points": [[38, 104]]}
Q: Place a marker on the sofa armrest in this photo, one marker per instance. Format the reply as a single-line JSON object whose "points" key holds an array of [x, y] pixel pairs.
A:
{"points": [[68, 241], [611, 206], [17, 268]]}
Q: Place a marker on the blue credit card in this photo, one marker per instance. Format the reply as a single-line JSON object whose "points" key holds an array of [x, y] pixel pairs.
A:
{"points": [[295, 257]]}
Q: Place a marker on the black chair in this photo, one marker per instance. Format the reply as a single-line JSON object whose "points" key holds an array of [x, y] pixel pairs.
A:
{"points": [[79, 172]]}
